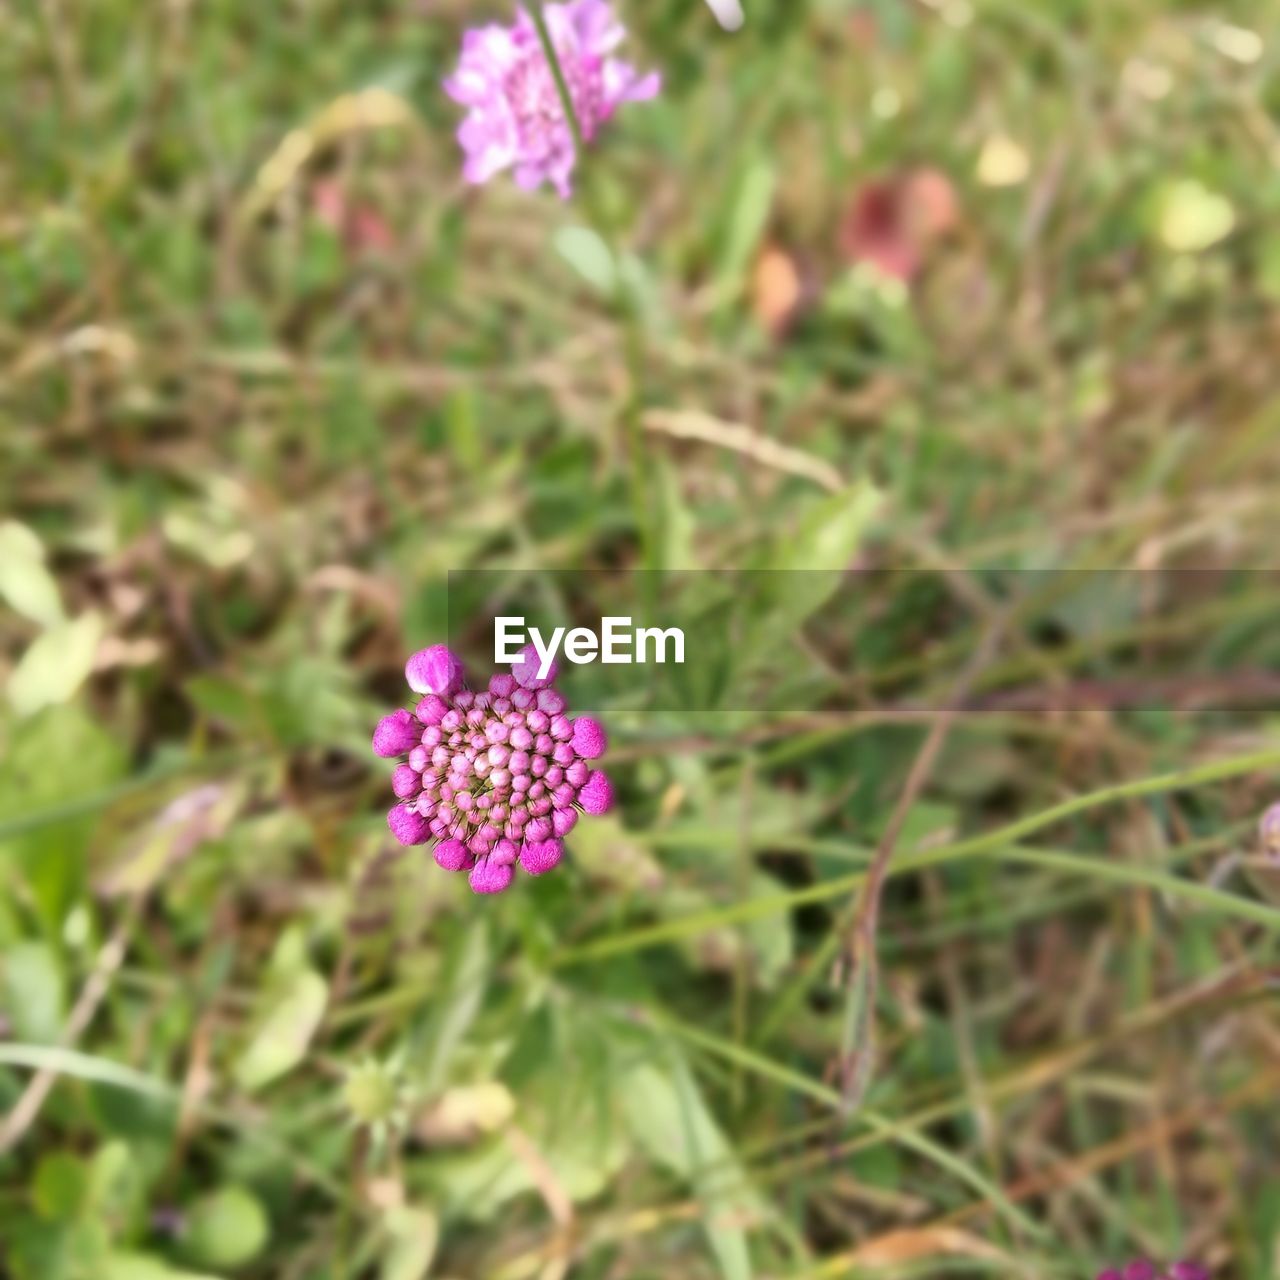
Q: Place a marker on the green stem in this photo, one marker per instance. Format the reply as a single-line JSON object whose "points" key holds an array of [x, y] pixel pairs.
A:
{"points": [[632, 435], [1001, 842]]}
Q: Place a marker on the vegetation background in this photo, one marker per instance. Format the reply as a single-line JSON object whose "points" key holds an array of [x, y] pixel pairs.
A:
{"points": [[962, 286]]}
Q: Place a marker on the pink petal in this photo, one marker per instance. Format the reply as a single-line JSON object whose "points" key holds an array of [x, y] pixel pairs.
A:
{"points": [[434, 670], [452, 855], [596, 796], [525, 669], [539, 856], [489, 876], [406, 781], [589, 738], [397, 733], [407, 825]]}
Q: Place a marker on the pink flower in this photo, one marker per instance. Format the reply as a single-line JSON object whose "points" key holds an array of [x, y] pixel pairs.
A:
{"points": [[1141, 1269], [892, 222], [1269, 833], [496, 778], [515, 118], [728, 13]]}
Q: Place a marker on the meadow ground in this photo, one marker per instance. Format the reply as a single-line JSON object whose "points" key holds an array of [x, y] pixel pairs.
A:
{"points": [[958, 321]]}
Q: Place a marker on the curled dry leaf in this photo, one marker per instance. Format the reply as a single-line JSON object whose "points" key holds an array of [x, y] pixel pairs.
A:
{"points": [[915, 1243]]}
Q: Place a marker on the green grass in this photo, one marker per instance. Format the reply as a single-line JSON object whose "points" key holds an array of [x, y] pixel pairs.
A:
{"points": [[241, 454]]}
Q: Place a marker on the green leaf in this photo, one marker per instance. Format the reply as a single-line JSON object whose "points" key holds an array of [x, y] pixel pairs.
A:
{"points": [[1193, 218], [831, 533], [282, 1040], [34, 991], [139, 1266], [671, 1122], [412, 1236], [810, 563], [56, 664], [461, 995], [45, 750], [589, 256], [751, 207], [25, 582], [61, 1186], [608, 854], [227, 1228], [115, 1181], [582, 1156]]}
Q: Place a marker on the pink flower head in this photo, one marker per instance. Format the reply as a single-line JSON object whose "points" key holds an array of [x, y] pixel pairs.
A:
{"points": [[495, 778], [515, 118]]}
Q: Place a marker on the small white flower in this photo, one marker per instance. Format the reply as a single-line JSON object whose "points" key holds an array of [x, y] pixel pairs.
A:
{"points": [[728, 13]]}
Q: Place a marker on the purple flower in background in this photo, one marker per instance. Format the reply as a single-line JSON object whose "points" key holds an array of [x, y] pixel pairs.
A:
{"points": [[496, 778], [515, 118], [1269, 833], [728, 13], [1141, 1269]]}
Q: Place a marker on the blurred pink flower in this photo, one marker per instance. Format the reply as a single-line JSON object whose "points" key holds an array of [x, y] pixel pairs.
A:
{"points": [[361, 227], [728, 13], [891, 221], [496, 778], [1141, 1269], [1269, 832], [515, 119]]}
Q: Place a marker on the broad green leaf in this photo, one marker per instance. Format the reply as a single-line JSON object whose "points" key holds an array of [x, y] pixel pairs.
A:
{"points": [[282, 1040], [138, 1266], [34, 991], [811, 562], [116, 1181], [412, 1236], [587, 253], [671, 1122], [60, 1189], [589, 256], [831, 532], [55, 664], [1193, 218], [584, 1157], [210, 536], [25, 581], [227, 1228], [43, 752]]}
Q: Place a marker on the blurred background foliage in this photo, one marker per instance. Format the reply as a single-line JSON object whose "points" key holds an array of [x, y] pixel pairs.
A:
{"points": [[956, 285]]}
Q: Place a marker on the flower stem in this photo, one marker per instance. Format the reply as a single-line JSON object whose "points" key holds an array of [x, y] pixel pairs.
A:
{"points": [[606, 229]]}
